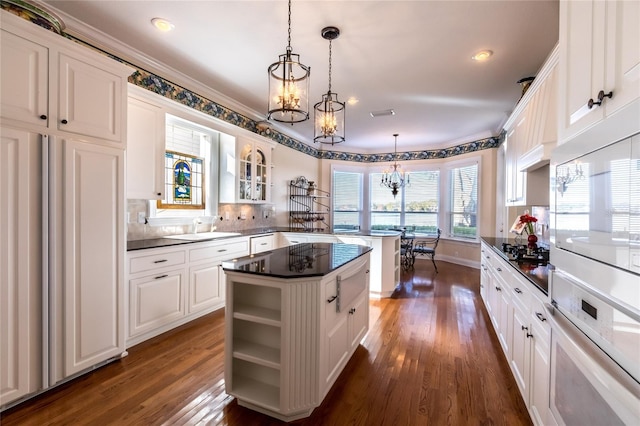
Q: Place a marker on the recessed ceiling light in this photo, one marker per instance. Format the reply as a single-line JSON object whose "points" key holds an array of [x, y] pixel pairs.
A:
{"points": [[162, 24], [382, 113], [482, 55], [352, 100]]}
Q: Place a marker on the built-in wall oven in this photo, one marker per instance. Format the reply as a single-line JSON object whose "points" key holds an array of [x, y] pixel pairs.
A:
{"points": [[595, 351], [594, 308]]}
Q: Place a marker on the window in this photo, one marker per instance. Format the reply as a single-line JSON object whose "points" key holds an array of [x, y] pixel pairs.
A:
{"points": [[386, 211], [441, 196], [190, 170], [422, 201], [347, 200], [463, 214]]}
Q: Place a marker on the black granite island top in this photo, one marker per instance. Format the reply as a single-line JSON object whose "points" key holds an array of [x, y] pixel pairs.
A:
{"points": [[536, 273], [298, 261]]}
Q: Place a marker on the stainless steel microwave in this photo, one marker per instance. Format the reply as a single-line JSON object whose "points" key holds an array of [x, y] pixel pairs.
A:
{"points": [[597, 205]]}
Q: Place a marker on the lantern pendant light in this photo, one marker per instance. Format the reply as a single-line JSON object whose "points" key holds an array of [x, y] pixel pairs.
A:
{"points": [[329, 113], [395, 179], [288, 86]]}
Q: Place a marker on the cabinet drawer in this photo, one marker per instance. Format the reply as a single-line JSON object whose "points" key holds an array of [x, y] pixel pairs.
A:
{"points": [[220, 250], [262, 244], [521, 293], [155, 261]]}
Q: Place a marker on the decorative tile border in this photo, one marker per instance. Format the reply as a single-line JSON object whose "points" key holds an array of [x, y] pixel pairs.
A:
{"points": [[177, 93]]}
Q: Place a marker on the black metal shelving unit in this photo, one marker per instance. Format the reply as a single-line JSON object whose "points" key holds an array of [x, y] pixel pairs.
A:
{"points": [[308, 206]]}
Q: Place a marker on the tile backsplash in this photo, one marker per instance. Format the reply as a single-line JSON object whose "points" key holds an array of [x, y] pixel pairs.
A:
{"points": [[255, 216]]}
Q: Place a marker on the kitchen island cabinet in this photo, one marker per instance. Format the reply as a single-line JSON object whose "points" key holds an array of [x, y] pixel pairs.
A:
{"points": [[293, 318]]}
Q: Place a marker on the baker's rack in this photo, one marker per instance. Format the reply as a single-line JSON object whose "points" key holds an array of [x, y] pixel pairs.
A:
{"points": [[308, 206]]}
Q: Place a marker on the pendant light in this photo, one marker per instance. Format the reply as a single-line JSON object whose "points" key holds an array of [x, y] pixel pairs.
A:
{"points": [[288, 86], [329, 112], [395, 179]]}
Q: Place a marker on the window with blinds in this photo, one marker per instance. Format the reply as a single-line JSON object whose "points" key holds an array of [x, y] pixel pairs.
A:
{"points": [[415, 206], [347, 200], [187, 165], [463, 215]]}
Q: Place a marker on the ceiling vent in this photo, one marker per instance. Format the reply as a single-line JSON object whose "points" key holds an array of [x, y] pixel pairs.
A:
{"points": [[382, 113]]}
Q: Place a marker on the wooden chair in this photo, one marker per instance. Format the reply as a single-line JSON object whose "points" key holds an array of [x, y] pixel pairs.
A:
{"points": [[427, 247]]}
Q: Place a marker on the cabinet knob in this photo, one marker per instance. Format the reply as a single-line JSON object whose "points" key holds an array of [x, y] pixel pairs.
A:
{"points": [[601, 96], [159, 194], [63, 121], [498, 288], [43, 117]]}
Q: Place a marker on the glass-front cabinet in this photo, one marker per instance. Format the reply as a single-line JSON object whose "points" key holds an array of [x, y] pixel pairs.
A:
{"points": [[253, 180], [245, 171]]}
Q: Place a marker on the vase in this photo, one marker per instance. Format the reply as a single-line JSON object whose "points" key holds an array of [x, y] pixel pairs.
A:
{"points": [[532, 239]]}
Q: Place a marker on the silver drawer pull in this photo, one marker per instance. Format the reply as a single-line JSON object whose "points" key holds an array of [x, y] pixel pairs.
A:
{"points": [[161, 261], [263, 244], [161, 276], [222, 250], [517, 290]]}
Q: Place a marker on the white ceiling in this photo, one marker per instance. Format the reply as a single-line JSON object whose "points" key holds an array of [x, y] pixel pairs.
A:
{"points": [[410, 56]]}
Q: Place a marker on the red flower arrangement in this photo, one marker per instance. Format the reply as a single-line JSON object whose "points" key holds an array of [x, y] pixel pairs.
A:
{"points": [[528, 222]]}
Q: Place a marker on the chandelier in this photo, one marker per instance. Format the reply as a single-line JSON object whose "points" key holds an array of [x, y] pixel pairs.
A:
{"points": [[395, 179], [329, 112], [563, 180], [288, 86]]}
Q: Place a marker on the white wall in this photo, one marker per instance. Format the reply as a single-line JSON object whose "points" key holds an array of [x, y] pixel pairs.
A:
{"points": [[288, 164]]}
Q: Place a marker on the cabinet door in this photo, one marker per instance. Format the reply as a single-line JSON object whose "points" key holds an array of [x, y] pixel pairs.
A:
{"points": [[24, 66], [90, 99], [359, 319], [540, 367], [623, 54], [262, 173], [93, 253], [581, 65], [520, 351], [20, 264], [145, 150], [155, 301], [246, 173], [205, 287]]}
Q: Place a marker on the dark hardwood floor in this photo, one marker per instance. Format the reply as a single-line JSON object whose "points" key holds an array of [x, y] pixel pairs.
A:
{"points": [[430, 358]]}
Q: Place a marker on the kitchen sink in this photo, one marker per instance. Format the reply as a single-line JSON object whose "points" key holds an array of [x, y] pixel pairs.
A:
{"points": [[203, 236]]}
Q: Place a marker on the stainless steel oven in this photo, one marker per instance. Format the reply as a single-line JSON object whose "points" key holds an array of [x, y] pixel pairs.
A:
{"points": [[595, 356]]}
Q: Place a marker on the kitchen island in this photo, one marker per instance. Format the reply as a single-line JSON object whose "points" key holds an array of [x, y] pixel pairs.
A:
{"points": [[294, 317]]}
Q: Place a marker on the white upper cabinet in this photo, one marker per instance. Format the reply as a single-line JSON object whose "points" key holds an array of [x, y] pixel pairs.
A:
{"points": [[24, 66], [599, 61], [245, 171], [50, 83], [145, 147]]}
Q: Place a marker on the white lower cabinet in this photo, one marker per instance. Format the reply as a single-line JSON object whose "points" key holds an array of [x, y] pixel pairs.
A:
{"points": [[156, 301], [518, 316], [174, 285], [205, 290], [289, 339]]}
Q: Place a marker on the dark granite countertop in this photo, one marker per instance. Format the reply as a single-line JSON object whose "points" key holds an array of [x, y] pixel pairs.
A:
{"points": [[536, 273], [298, 261], [166, 242]]}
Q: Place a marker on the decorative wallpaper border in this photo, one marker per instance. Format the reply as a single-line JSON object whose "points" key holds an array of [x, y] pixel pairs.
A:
{"points": [[177, 93]]}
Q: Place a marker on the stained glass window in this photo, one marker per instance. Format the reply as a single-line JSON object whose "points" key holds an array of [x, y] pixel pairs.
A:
{"points": [[184, 177]]}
